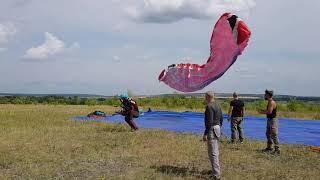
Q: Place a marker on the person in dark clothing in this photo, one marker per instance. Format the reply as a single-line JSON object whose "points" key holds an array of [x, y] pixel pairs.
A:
{"points": [[129, 110], [236, 113], [272, 122], [213, 120]]}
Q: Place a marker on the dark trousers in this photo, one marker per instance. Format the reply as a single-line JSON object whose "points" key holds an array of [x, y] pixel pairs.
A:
{"points": [[129, 115]]}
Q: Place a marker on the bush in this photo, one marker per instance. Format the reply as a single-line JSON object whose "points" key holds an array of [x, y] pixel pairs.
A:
{"points": [[90, 102], [292, 105], [225, 104], [17, 101]]}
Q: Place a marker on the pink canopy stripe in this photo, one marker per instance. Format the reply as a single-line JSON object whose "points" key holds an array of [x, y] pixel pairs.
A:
{"points": [[229, 38]]}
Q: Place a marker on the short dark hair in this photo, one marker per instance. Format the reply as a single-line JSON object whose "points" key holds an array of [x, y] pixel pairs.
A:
{"points": [[235, 94], [269, 92]]}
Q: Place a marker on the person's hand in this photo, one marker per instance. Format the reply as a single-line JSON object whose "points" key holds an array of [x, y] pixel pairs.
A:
{"points": [[260, 111], [118, 111], [204, 138]]}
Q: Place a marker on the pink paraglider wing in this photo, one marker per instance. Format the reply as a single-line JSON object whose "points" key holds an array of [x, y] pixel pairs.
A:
{"points": [[229, 38]]}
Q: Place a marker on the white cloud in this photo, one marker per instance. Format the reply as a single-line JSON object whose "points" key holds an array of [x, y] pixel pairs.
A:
{"points": [[51, 47], [6, 32], [167, 11]]}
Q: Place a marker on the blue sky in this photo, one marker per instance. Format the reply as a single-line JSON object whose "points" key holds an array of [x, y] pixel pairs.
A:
{"points": [[104, 47]]}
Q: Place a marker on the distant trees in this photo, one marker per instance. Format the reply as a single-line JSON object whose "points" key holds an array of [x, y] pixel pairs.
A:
{"points": [[169, 101], [75, 100], [90, 102]]}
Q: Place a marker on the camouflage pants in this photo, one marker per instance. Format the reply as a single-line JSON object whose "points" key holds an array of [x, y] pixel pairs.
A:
{"points": [[236, 126], [272, 133]]}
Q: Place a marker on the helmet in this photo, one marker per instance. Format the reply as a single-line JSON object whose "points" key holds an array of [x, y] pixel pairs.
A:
{"points": [[123, 95]]}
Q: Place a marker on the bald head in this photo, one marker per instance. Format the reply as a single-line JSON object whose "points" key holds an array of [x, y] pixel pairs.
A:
{"points": [[209, 96]]}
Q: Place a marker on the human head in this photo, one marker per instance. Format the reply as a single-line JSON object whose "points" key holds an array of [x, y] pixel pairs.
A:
{"points": [[268, 94], [123, 95], [209, 96], [235, 95]]}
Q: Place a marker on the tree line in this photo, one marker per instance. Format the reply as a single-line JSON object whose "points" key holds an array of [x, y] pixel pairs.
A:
{"points": [[175, 101]]}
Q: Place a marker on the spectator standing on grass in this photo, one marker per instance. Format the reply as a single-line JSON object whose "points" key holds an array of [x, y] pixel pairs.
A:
{"points": [[236, 114], [272, 123], [213, 121]]}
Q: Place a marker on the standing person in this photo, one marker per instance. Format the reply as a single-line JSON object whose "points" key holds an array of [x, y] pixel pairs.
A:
{"points": [[236, 113], [213, 120], [272, 122], [129, 110]]}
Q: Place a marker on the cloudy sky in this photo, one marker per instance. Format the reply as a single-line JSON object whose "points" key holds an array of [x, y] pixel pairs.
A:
{"points": [[104, 47]]}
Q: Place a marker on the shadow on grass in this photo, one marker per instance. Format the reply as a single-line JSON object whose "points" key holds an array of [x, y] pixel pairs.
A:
{"points": [[182, 171]]}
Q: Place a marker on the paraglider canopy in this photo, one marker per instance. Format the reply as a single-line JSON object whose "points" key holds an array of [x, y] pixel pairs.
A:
{"points": [[229, 38]]}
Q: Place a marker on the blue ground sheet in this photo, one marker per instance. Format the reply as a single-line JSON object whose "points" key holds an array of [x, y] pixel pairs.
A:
{"points": [[291, 131]]}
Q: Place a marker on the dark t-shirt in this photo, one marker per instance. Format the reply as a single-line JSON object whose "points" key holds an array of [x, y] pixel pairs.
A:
{"points": [[237, 109]]}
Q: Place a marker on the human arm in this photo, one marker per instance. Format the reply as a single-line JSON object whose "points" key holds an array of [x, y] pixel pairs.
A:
{"points": [[229, 112], [208, 121], [243, 111], [221, 119], [270, 107]]}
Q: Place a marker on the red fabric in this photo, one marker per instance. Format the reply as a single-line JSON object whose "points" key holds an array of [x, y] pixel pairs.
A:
{"points": [[243, 32], [224, 50]]}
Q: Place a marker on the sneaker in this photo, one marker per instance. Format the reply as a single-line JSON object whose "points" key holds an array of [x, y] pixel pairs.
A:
{"points": [[215, 177]]}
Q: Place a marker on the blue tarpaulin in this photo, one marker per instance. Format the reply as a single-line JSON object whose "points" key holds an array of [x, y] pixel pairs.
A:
{"points": [[291, 131]]}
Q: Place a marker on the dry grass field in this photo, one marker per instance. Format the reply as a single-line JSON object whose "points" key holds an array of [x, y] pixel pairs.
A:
{"points": [[40, 142]]}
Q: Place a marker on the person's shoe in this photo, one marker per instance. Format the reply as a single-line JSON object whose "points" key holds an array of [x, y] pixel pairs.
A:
{"points": [[215, 177], [241, 141], [276, 152], [267, 150]]}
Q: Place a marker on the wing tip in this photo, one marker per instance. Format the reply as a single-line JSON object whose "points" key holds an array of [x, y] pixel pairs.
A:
{"points": [[162, 75]]}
